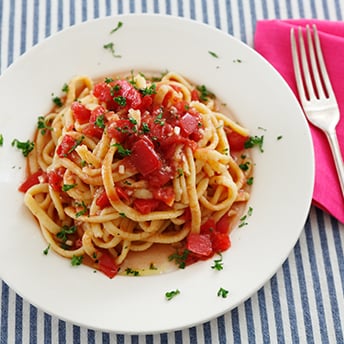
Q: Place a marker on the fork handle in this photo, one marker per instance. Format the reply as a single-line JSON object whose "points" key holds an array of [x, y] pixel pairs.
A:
{"points": [[333, 141]]}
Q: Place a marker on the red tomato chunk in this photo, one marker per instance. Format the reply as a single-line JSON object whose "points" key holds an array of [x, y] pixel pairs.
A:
{"points": [[107, 265]]}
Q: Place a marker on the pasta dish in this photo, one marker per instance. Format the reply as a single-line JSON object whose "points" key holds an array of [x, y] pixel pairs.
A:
{"points": [[128, 162]]}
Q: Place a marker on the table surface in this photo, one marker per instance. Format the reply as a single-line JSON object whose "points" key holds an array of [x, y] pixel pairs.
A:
{"points": [[303, 302]]}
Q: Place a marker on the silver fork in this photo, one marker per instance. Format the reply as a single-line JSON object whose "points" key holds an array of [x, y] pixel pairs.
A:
{"points": [[316, 94]]}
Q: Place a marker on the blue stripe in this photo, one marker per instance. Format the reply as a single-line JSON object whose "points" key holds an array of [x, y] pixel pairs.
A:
{"points": [[263, 316], [338, 10], [301, 9], [217, 14], [4, 313], [265, 9], [96, 9], [329, 277], [163, 338], [119, 338], [91, 337], [168, 7], [149, 339], [192, 9], [303, 288], [108, 7], [35, 22], [250, 322], [236, 326], [277, 9], [313, 9], [23, 27], [76, 334], [205, 11], [229, 17], [60, 15], [72, 13], [33, 324], [207, 332], [277, 309], [289, 10], [242, 21], [11, 34], [180, 8], [291, 302], [178, 337], [132, 6], [84, 10], [105, 337], [193, 335], [317, 285], [221, 329], [253, 13], [156, 6], [47, 329], [325, 9], [120, 6], [144, 6], [19, 319], [62, 332], [48, 18]]}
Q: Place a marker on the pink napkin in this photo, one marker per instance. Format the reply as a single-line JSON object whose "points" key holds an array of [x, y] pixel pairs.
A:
{"points": [[272, 40]]}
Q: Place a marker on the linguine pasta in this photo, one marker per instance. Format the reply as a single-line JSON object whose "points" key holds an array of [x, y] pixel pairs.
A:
{"points": [[128, 162]]}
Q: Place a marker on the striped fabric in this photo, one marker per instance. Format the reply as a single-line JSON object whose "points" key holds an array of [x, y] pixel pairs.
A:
{"points": [[303, 302]]}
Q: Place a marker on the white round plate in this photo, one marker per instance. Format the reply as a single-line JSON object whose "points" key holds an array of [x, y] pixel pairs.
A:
{"points": [[281, 192]]}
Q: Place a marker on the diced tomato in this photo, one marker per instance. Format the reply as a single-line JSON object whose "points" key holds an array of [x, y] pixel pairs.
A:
{"points": [[93, 131], [189, 123], [107, 265], [144, 157], [145, 206], [122, 193], [102, 91], [222, 226], [102, 201], [235, 140], [96, 112], [81, 113], [66, 146], [160, 177], [32, 180], [119, 129], [199, 244], [146, 103], [55, 180], [130, 93], [208, 227], [194, 95], [165, 194], [220, 241]]}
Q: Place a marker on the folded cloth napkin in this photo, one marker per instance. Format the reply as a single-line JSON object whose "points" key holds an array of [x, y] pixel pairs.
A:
{"points": [[272, 41]]}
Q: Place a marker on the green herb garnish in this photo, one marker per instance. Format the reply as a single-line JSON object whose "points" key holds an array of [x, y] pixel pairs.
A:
{"points": [[57, 101], [255, 141], [130, 271], [83, 211], [213, 54], [204, 93], [25, 147], [111, 48], [180, 259], [121, 150], [1, 140], [67, 187], [218, 264], [65, 230], [42, 125], [120, 100], [100, 122], [119, 25], [222, 293], [76, 260], [46, 250], [171, 294], [149, 90]]}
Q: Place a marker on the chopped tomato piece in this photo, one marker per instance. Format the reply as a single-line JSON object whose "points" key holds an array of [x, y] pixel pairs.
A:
{"points": [[165, 194], [119, 129], [194, 95], [146, 206], [199, 244], [102, 201], [160, 177], [235, 140], [107, 265], [32, 180], [93, 131], [122, 193], [66, 146], [144, 157], [208, 227], [81, 113], [222, 225], [189, 123], [220, 241], [55, 180]]}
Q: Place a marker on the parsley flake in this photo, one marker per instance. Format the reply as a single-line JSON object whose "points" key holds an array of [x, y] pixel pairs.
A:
{"points": [[213, 54], [255, 141], [42, 125], [171, 294], [76, 260], [119, 25], [25, 147], [46, 250], [121, 150], [1, 140], [218, 264], [67, 187], [222, 293]]}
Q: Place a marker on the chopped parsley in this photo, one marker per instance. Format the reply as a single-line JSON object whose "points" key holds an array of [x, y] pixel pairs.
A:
{"points": [[65, 230], [121, 150], [111, 48], [279, 137], [218, 264], [149, 90], [145, 128], [119, 25], [25, 147], [152, 267], [171, 294], [76, 144], [120, 100], [42, 125], [180, 259], [222, 293], [76, 260], [1, 140], [245, 166], [250, 181], [245, 217], [130, 271], [204, 93], [46, 250], [57, 101], [255, 141], [67, 187], [65, 88], [159, 120], [100, 122], [83, 211], [213, 54]]}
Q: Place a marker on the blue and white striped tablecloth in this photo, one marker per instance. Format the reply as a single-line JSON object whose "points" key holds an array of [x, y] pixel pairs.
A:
{"points": [[303, 302]]}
